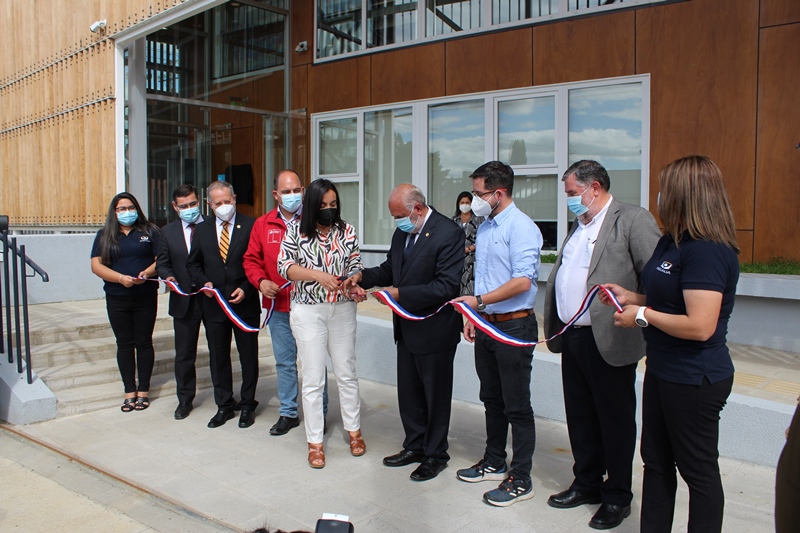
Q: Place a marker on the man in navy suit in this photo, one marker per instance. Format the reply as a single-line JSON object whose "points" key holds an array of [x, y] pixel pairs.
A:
{"points": [[186, 312], [216, 261], [423, 268]]}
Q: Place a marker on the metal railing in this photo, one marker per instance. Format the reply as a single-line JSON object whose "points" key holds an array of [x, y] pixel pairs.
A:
{"points": [[14, 281]]}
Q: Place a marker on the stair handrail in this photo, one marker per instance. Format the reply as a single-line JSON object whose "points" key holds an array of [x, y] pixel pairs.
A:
{"points": [[15, 279]]}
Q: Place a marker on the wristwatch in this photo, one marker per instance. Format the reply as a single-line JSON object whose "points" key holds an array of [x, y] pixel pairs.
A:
{"points": [[641, 321], [481, 306]]}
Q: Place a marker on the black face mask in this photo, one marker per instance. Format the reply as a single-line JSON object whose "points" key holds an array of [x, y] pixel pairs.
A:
{"points": [[325, 217]]}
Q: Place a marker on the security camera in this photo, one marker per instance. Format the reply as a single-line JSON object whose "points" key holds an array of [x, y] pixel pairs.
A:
{"points": [[302, 47], [98, 25]]}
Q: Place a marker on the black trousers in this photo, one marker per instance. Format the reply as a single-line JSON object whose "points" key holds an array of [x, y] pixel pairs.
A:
{"points": [[787, 481], [424, 396], [505, 375], [218, 335], [187, 330], [132, 319], [600, 402], [680, 426]]}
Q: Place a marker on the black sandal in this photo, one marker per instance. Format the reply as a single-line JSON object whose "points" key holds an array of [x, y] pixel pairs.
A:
{"points": [[142, 403], [128, 405]]}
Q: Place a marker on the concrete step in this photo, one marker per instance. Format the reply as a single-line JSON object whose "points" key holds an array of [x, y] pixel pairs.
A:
{"points": [[64, 377], [85, 350], [55, 334], [162, 386]]}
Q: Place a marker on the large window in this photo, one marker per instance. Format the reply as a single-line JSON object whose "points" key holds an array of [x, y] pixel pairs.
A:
{"points": [[356, 26], [436, 144]]}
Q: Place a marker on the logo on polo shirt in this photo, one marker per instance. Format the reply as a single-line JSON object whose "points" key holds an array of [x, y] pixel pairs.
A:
{"points": [[664, 268], [144, 238]]}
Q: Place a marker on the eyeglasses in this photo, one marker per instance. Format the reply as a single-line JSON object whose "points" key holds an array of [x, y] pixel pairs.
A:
{"points": [[482, 195], [190, 204], [128, 208]]}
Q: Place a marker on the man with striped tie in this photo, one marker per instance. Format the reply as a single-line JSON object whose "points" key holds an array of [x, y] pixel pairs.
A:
{"points": [[216, 261]]}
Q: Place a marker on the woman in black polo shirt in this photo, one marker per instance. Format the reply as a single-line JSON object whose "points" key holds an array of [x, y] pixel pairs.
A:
{"points": [[123, 255], [689, 287]]}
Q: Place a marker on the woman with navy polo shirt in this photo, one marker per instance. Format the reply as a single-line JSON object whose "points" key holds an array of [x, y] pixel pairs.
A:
{"points": [[123, 255], [689, 287]]}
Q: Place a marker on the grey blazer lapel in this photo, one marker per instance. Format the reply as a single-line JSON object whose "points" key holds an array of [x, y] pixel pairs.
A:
{"points": [[609, 222]]}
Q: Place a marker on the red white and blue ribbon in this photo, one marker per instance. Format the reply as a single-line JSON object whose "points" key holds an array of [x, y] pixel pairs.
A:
{"points": [[223, 303], [271, 307], [486, 327]]}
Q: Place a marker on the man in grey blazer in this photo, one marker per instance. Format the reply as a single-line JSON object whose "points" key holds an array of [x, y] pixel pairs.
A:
{"points": [[610, 242]]}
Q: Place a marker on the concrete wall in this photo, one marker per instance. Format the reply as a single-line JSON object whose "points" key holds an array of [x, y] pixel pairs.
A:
{"points": [[66, 259], [751, 429]]}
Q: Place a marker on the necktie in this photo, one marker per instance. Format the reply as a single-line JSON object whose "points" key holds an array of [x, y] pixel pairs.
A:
{"points": [[409, 245], [191, 232], [224, 241]]}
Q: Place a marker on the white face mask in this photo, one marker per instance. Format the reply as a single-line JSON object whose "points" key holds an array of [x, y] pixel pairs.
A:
{"points": [[464, 208], [481, 207], [225, 212]]}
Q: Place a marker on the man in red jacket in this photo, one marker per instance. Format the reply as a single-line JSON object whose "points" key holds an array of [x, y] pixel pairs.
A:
{"points": [[261, 267]]}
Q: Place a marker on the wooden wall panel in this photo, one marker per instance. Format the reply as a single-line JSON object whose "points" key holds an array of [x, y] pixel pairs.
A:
{"points": [[744, 238], [302, 16], [268, 92], [589, 48], [490, 62], [703, 66], [300, 125], [774, 12], [777, 209], [408, 74], [339, 85]]}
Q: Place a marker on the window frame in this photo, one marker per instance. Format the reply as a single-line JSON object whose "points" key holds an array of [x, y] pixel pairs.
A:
{"points": [[563, 12], [491, 101]]}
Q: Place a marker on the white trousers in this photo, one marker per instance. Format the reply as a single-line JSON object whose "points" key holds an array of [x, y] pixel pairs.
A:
{"points": [[319, 330]]}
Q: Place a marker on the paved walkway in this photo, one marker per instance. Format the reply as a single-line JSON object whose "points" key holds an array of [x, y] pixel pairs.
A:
{"points": [[244, 478], [144, 471]]}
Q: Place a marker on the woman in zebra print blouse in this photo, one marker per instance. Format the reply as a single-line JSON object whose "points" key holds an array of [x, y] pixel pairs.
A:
{"points": [[316, 255]]}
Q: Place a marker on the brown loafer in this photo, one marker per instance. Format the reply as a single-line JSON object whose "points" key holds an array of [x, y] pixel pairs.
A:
{"points": [[357, 445], [316, 456]]}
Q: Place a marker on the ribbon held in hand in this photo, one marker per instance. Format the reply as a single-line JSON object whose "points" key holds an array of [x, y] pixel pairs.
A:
{"points": [[486, 327]]}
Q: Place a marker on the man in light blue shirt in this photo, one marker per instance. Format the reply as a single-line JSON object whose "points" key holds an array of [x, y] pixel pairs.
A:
{"points": [[507, 251]]}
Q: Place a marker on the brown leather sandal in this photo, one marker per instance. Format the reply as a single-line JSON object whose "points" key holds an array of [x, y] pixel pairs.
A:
{"points": [[316, 456], [357, 445]]}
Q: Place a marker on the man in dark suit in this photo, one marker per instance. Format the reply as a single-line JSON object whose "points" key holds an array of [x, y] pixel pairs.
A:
{"points": [[186, 312], [423, 268], [216, 261], [609, 242]]}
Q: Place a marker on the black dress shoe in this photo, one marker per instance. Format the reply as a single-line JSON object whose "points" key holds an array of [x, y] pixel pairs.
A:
{"points": [[222, 416], [283, 425], [406, 457], [247, 418], [183, 410], [573, 498], [429, 469], [609, 516]]}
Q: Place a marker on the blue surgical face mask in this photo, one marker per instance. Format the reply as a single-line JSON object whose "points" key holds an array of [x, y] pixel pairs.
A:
{"points": [[405, 224], [128, 218], [291, 202], [575, 204], [190, 214]]}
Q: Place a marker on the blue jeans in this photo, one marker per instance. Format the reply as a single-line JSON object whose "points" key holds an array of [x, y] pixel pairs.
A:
{"points": [[505, 376], [285, 349]]}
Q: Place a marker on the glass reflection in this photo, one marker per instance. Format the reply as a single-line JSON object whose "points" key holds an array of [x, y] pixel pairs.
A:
{"points": [[527, 131], [605, 124], [387, 163], [338, 146], [456, 147]]}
